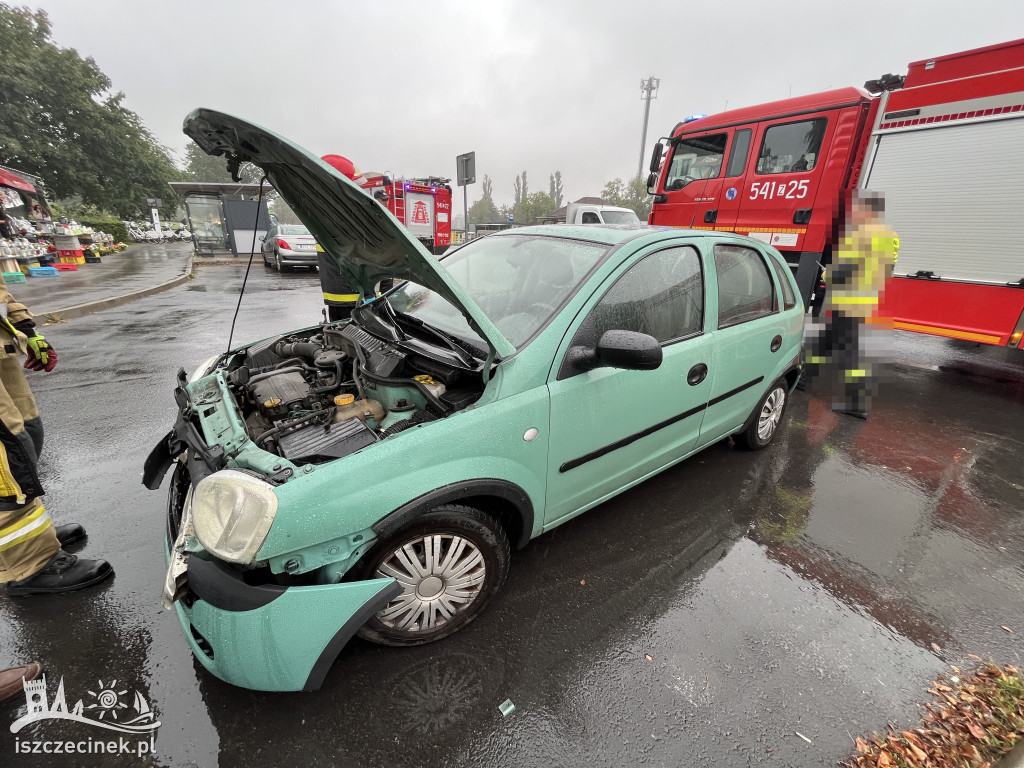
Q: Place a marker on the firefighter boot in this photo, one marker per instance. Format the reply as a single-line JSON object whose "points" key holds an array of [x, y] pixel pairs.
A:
{"points": [[63, 573], [71, 533]]}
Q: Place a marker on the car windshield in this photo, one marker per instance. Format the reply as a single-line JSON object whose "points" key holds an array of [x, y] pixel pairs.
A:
{"points": [[519, 282], [292, 229], [620, 217]]}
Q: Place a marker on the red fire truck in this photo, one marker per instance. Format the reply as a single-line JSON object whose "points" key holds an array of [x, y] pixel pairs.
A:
{"points": [[424, 206], [944, 145]]}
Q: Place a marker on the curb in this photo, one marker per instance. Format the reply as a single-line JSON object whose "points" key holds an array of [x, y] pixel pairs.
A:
{"points": [[79, 310], [1012, 759]]}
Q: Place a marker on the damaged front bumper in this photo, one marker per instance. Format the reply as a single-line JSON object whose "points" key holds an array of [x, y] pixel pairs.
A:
{"points": [[269, 637]]}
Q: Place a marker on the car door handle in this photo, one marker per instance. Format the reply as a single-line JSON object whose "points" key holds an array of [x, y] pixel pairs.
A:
{"points": [[697, 374], [776, 344]]}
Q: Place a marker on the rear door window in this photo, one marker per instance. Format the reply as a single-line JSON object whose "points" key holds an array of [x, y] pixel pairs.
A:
{"points": [[788, 297], [745, 288]]}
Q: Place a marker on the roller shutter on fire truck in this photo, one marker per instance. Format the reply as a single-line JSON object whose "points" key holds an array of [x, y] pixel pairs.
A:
{"points": [[955, 196]]}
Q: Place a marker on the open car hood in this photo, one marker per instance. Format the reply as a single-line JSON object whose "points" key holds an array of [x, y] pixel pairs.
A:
{"points": [[363, 239]]}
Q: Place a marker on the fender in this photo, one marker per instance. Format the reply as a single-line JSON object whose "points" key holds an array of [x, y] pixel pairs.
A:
{"points": [[501, 489], [795, 365]]}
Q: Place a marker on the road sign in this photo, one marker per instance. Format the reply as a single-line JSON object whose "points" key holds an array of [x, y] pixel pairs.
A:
{"points": [[466, 168], [153, 202]]}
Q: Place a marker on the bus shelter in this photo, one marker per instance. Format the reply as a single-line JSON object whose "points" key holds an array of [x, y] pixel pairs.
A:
{"points": [[224, 217]]}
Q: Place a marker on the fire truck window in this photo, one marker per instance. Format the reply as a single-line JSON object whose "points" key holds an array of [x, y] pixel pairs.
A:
{"points": [[589, 217], [738, 153], [694, 160], [792, 147], [745, 290], [662, 295]]}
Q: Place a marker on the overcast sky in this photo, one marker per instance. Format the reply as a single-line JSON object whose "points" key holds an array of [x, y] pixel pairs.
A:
{"points": [[528, 85]]}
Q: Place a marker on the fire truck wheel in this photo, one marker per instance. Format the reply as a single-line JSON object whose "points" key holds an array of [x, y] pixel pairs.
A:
{"points": [[766, 419]]}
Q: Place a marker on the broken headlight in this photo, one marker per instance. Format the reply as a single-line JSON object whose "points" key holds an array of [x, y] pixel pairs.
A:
{"points": [[233, 513]]}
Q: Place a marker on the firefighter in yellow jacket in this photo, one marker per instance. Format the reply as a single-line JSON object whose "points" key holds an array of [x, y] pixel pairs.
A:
{"points": [[852, 341], [32, 560]]}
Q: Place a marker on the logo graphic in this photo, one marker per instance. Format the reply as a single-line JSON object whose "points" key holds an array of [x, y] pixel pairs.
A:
{"points": [[730, 193], [419, 213], [105, 703]]}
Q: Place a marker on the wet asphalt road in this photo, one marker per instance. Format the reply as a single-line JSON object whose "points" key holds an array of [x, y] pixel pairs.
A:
{"points": [[814, 587]]}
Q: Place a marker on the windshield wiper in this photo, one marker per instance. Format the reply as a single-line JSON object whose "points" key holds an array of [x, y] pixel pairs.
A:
{"points": [[456, 343]]}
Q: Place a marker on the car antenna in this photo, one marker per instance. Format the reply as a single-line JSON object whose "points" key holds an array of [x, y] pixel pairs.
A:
{"points": [[252, 254]]}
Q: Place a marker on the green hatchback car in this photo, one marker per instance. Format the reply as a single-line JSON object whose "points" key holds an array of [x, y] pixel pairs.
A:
{"points": [[373, 475]]}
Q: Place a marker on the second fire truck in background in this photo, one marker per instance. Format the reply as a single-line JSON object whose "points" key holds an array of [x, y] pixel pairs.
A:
{"points": [[423, 205]]}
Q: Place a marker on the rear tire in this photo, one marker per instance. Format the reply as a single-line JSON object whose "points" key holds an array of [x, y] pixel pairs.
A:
{"points": [[766, 419], [450, 562]]}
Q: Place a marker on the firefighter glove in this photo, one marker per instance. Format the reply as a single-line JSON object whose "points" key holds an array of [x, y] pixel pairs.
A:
{"points": [[41, 356]]}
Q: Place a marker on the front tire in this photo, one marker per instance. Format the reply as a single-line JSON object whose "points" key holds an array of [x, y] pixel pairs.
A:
{"points": [[450, 563], [767, 417]]}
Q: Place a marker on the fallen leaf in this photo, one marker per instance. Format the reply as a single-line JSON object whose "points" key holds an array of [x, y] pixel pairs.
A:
{"points": [[976, 731], [583, 581], [883, 760], [955, 669], [943, 687], [913, 738], [972, 656], [648, 657], [1008, 629], [936, 648], [862, 746], [919, 753]]}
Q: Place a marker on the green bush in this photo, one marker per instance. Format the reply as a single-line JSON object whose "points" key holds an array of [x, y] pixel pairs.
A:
{"points": [[111, 226]]}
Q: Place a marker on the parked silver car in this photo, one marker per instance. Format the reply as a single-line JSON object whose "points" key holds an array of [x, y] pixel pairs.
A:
{"points": [[287, 246]]}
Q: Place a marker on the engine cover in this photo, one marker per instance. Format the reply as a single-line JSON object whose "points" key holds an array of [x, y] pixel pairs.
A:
{"points": [[331, 442], [280, 393]]}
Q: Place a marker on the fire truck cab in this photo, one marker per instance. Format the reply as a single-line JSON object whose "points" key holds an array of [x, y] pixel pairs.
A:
{"points": [[771, 172], [942, 145]]}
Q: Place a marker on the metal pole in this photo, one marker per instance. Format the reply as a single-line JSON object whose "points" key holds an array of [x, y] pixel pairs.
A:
{"points": [[465, 211], [649, 90]]}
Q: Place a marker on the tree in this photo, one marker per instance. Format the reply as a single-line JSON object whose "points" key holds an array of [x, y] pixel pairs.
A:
{"points": [[200, 166], [483, 211], [555, 189], [60, 120], [533, 207], [632, 195]]}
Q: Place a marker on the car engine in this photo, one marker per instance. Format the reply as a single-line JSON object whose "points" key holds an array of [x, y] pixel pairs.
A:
{"points": [[318, 397]]}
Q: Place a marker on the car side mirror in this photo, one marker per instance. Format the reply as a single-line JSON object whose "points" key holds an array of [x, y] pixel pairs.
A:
{"points": [[652, 181], [629, 350]]}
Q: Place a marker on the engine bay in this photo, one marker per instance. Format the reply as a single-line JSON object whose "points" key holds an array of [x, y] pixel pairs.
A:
{"points": [[324, 393]]}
